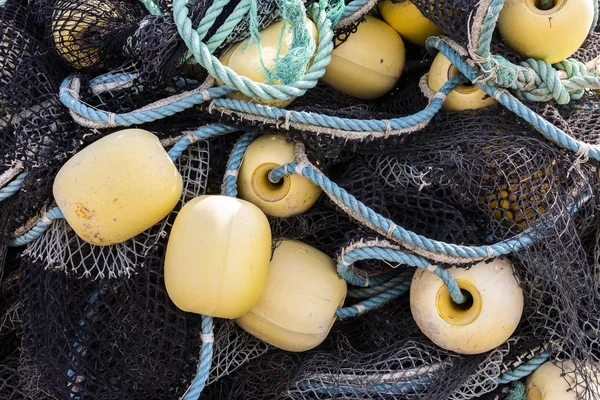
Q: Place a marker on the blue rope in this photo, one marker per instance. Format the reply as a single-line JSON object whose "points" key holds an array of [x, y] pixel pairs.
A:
{"points": [[36, 231], [206, 132], [356, 125], [548, 130], [366, 292], [374, 302], [234, 163], [206, 355], [193, 40], [349, 389], [524, 370], [353, 7], [152, 7], [12, 187]]}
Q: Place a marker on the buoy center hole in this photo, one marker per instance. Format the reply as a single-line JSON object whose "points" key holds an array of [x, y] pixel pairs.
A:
{"points": [[466, 306], [545, 5], [466, 87], [267, 190]]}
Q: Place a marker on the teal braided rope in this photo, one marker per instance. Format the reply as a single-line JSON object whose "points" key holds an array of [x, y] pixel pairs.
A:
{"points": [[206, 354], [374, 302], [548, 130], [152, 7], [250, 88], [332, 389], [134, 117], [36, 231], [356, 125], [227, 27], [379, 222], [487, 32], [595, 21], [234, 163], [353, 7], [363, 293], [524, 370], [206, 132], [12, 187]]}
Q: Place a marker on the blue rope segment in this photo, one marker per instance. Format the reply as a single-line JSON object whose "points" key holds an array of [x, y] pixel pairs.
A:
{"points": [[331, 389], [69, 92], [235, 161], [374, 302], [152, 7], [12, 187], [368, 126], [393, 255], [366, 292], [202, 54], [206, 132], [206, 355], [36, 231], [524, 370], [548, 130]]}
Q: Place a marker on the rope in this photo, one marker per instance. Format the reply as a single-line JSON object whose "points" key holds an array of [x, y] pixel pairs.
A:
{"points": [[524, 370], [40, 227], [206, 355], [12, 187], [202, 54], [363, 293], [376, 301], [152, 7], [206, 132], [340, 388], [229, 187]]}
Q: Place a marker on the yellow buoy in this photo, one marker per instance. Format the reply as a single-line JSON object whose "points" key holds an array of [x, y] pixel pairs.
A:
{"points": [[117, 187], [369, 63], [70, 25], [293, 195], [217, 256], [551, 35], [463, 97], [297, 307], [485, 321], [243, 57], [548, 382], [408, 21]]}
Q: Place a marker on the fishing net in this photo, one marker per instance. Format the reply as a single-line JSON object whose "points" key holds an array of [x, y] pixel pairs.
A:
{"points": [[82, 321]]}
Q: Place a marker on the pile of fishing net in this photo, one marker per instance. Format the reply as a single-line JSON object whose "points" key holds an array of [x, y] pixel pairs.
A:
{"points": [[286, 199]]}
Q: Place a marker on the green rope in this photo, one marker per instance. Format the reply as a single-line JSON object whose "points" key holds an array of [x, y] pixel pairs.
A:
{"points": [[517, 392]]}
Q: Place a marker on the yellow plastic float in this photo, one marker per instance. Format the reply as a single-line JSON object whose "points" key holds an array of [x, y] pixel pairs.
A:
{"points": [[484, 322], [69, 25], [293, 195], [297, 307], [463, 97], [408, 21], [117, 187], [217, 256], [243, 57], [369, 63], [551, 35], [548, 382]]}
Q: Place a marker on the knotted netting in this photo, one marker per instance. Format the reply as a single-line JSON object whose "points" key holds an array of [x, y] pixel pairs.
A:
{"points": [[407, 186]]}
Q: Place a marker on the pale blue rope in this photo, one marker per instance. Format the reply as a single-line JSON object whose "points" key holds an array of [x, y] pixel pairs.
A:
{"points": [[524, 370], [206, 355], [349, 389], [152, 7], [374, 302], [206, 132], [12, 187], [36, 231], [234, 163], [366, 292]]}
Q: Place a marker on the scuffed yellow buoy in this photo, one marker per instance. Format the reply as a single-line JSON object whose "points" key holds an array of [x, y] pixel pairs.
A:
{"points": [[293, 195], [217, 256], [408, 21], [297, 307], [117, 187], [243, 57], [548, 382], [70, 26], [484, 322], [369, 63], [463, 97], [551, 35]]}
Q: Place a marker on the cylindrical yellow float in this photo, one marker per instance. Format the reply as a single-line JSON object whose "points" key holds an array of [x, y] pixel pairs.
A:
{"points": [[485, 321], [244, 57], [71, 23], [550, 382], [217, 256], [369, 63], [408, 21], [117, 187], [551, 35], [463, 97], [293, 195], [297, 307]]}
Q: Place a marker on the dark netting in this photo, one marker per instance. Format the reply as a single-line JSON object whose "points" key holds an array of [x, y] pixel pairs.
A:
{"points": [[452, 16]]}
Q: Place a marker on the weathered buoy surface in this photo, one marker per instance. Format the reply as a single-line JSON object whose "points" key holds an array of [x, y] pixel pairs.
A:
{"points": [[302, 293], [463, 97], [369, 63], [293, 195], [244, 57], [551, 35], [408, 21], [117, 187], [550, 382], [217, 256], [485, 321]]}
